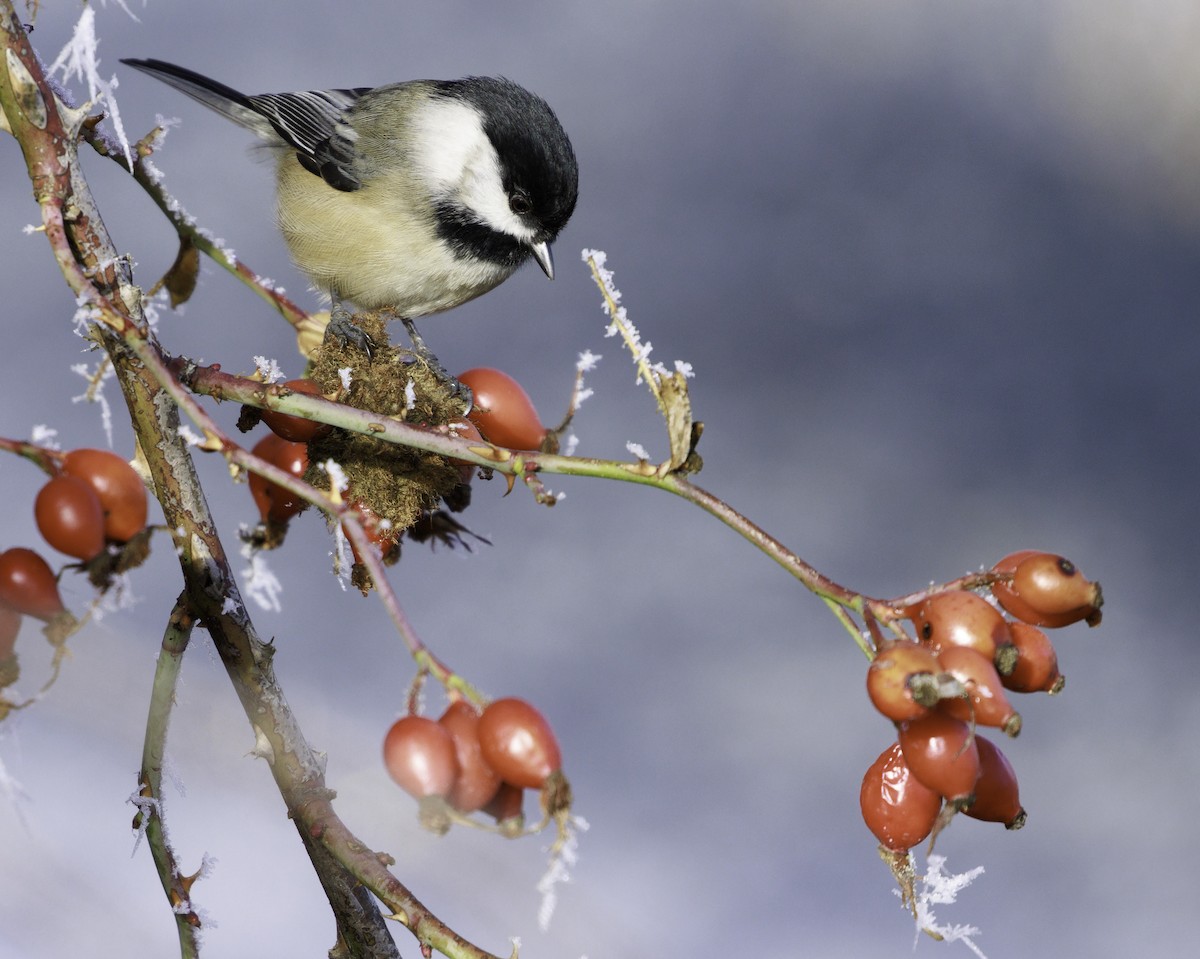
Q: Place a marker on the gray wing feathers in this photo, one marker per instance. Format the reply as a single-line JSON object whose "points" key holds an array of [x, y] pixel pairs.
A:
{"points": [[312, 122]]}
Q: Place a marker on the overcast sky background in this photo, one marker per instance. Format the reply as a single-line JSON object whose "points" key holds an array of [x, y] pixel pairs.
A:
{"points": [[936, 267]]}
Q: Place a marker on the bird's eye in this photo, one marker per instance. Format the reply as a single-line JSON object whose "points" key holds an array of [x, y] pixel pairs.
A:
{"points": [[520, 203]]}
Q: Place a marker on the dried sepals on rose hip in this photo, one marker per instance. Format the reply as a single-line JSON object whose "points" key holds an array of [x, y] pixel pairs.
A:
{"points": [[421, 757], [984, 700], [517, 742], [10, 671], [1046, 590], [902, 680]]}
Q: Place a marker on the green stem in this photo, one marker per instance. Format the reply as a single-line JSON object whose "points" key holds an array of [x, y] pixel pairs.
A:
{"points": [[150, 813]]}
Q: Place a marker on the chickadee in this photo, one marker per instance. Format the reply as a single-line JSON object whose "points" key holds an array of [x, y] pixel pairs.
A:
{"points": [[412, 197]]}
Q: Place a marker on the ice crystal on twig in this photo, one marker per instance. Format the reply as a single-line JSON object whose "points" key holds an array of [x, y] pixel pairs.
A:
{"points": [[937, 887], [668, 388], [563, 858], [95, 392], [78, 60], [45, 436], [260, 583], [268, 369]]}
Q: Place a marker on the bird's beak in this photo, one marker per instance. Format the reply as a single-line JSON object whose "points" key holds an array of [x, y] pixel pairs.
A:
{"points": [[541, 253]]}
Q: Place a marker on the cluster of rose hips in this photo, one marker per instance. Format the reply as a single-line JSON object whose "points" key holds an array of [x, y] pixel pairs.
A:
{"points": [[92, 506], [502, 413], [469, 761], [954, 677], [94, 500]]}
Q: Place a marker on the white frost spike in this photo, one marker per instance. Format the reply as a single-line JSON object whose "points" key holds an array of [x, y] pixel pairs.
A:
{"points": [[587, 361], [189, 435], [262, 585], [95, 394], [43, 435], [941, 888], [78, 60], [341, 556], [564, 857], [148, 806], [337, 475]]}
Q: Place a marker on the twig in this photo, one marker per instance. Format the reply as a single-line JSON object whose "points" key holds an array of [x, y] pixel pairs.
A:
{"points": [[150, 797]]}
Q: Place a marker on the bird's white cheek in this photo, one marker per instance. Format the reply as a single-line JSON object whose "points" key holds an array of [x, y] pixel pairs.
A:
{"points": [[456, 161], [482, 193]]}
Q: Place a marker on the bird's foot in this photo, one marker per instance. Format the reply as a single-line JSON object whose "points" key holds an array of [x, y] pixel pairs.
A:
{"points": [[456, 388], [345, 332]]}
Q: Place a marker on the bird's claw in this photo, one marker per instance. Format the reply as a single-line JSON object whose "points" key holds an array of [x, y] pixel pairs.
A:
{"points": [[343, 330]]}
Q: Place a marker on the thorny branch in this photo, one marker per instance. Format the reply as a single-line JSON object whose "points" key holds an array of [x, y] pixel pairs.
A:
{"points": [[47, 131]]}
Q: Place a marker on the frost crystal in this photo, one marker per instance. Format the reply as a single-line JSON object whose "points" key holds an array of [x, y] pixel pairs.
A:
{"points": [[95, 394], [78, 60], [262, 585], [148, 806], [587, 361], [119, 596], [189, 435], [651, 374], [46, 436], [341, 557], [337, 475], [564, 857], [941, 888], [268, 369]]}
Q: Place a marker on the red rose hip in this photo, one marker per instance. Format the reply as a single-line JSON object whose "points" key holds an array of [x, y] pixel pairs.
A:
{"points": [[518, 743]]}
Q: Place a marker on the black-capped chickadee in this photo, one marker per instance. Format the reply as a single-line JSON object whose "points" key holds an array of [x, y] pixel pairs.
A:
{"points": [[412, 197]]}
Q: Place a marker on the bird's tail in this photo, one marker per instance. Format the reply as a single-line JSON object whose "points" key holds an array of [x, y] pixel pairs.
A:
{"points": [[213, 94]]}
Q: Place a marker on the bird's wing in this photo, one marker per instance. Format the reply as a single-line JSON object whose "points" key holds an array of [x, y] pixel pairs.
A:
{"points": [[313, 122]]}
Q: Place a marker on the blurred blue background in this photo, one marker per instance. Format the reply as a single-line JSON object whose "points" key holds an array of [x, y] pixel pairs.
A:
{"points": [[936, 267]]}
